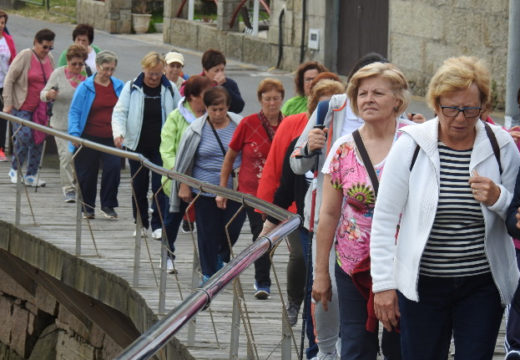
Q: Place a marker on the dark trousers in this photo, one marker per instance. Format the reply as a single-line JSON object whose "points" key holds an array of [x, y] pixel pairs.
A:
{"points": [[3, 123], [141, 183], [262, 265], [356, 342], [211, 234], [172, 222], [469, 307], [295, 269], [513, 321], [86, 163], [312, 350]]}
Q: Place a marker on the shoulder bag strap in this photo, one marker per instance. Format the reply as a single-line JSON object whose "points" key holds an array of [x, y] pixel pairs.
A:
{"points": [[494, 145], [41, 64], [220, 144], [366, 160]]}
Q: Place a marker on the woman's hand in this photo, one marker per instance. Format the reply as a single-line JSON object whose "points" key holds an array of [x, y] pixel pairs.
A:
{"points": [[322, 289], [416, 118], [386, 308], [221, 202], [118, 142], [515, 133], [268, 226], [8, 109], [316, 139], [51, 94], [185, 193], [484, 189]]}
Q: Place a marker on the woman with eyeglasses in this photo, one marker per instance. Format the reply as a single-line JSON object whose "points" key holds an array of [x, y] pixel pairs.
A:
{"points": [[138, 117], [450, 268], [23, 83], [90, 117], [59, 90]]}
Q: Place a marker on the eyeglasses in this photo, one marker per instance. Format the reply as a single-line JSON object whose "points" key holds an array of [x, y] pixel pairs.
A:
{"points": [[274, 99], [107, 69], [308, 79], [468, 111], [47, 47], [76, 64]]}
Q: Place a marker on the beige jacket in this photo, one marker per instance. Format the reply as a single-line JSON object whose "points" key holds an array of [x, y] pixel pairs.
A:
{"points": [[15, 83]]}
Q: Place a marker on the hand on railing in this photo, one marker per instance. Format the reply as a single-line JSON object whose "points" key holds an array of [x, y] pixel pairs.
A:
{"points": [[185, 193], [118, 142], [221, 202], [8, 109], [268, 226]]}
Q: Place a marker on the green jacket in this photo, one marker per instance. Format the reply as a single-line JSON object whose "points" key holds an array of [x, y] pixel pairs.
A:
{"points": [[171, 134], [62, 61], [295, 105]]}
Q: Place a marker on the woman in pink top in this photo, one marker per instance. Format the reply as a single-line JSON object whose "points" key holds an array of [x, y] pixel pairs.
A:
{"points": [[25, 79], [7, 54]]}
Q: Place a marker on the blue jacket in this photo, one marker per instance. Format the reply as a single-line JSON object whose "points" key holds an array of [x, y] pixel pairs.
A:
{"points": [[81, 104], [127, 118]]}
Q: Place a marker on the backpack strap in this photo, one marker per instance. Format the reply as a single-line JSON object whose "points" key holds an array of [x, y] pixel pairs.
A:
{"points": [[414, 157], [494, 145]]}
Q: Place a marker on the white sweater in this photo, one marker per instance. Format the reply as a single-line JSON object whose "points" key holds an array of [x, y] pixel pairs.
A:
{"points": [[415, 195]]}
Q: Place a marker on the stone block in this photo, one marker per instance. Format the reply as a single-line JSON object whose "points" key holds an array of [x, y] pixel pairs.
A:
{"points": [[45, 301], [11, 287], [31, 308], [71, 322], [409, 18], [183, 33], [210, 38], [257, 51], [45, 346], [6, 309], [97, 336], [5, 231], [19, 322], [234, 46], [67, 345], [110, 348], [407, 52], [495, 31]]}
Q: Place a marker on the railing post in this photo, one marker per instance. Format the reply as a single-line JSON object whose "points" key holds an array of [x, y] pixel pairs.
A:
{"points": [[192, 325], [191, 9], [235, 325], [78, 222], [137, 251], [256, 10], [162, 281], [286, 339], [17, 214]]}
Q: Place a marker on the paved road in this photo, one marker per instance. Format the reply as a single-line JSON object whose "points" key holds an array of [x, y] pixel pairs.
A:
{"points": [[131, 48]]}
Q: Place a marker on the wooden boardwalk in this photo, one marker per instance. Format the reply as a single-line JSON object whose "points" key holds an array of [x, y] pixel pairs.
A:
{"points": [[55, 222]]}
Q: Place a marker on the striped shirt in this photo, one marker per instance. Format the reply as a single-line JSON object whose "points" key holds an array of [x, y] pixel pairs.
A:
{"points": [[455, 247]]}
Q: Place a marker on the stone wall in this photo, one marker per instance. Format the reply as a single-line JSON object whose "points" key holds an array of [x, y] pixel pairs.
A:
{"points": [[113, 16], [423, 33]]}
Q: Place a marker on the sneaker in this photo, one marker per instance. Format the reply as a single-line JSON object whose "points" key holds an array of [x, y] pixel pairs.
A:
{"points": [[170, 268], [70, 197], [205, 278], [13, 176], [109, 212], [513, 355], [186, 226], [89, 214], [327, 356], [143, 232], [3, 158], [31, 180], [157, 234], [292, 312], [262, 292]]}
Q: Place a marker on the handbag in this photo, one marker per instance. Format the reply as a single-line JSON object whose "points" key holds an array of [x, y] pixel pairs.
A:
{"points": [[234, 172], [41, 114]]}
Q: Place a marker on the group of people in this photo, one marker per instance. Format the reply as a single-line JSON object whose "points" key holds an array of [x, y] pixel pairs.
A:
{"points": [[413, 218]]}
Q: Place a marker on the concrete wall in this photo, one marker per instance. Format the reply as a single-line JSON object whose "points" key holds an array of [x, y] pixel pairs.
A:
{"points": [[114, 16], [423, 33]]}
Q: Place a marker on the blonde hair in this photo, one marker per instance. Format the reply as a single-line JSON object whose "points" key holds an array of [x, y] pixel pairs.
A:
{"points": [[459, 73], [152, 59], [387, 71], [325, 87]]}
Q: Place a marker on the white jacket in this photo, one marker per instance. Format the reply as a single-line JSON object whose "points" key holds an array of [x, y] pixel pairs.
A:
{"points": [[415, 195]]}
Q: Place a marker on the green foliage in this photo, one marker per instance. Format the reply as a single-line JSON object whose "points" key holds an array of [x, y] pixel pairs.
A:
{"points": [[60, 11]]}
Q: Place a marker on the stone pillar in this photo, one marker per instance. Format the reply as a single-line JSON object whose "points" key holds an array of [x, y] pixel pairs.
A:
{"points": [[225, 10], [119, 16]]}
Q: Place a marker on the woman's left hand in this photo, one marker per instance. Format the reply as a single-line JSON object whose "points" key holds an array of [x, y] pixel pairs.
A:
{"points": [[416, 118], [221, 202], [386, 308], [484, 189]]}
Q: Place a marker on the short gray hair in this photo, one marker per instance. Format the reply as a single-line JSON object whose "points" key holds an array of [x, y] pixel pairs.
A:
{"points": [[106, 56]]}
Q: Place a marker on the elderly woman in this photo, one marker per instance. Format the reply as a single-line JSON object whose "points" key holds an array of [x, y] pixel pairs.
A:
{"points": [[447, 184], [59, 89], [7, 54], [305, 74], [90, 117], [83, 35], [378, 93], [253, 139], [137, 120], [25, 80], [190, 107], [201, 154]]}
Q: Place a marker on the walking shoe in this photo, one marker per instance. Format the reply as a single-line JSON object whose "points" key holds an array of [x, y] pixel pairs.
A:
{"points": [[89, 214], [3, 158], [30, 180], [262, 292], [109, 212], [157, 234], [327, 356], [143, 232], [70, 196], [186, 226], [13, 176], [292, 312], [205, 278], [513, 355], [170, 267]]}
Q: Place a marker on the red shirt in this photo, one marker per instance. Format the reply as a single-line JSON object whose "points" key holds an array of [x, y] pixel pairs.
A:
{"points": [[99, 121], [251, 139], [290, 128], [35, 82]]}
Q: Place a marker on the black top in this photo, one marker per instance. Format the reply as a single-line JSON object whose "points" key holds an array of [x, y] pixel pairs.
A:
{"points": [[152, 119], [237, 103]]}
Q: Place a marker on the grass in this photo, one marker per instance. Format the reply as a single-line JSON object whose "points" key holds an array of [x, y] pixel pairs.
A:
{"points": [[60, 11]]}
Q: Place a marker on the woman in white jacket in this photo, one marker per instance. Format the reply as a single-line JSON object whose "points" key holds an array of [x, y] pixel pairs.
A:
{"points": [[447, 184]]}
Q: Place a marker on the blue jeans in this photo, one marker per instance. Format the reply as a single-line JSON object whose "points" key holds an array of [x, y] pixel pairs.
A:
{"points": [[469, 307], [513, 321], [141, 184], [356, 341], [24, 146]]}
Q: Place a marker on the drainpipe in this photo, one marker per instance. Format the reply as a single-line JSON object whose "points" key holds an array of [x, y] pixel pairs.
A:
{"points": [[304, 17], [280, 37]]}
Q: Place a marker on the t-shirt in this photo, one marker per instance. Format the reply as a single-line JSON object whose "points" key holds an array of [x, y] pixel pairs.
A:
{"points": [[91, 60], [5, 55], [36, 82], [99, 121], [349, 175], [152, 119], [252, 140]]}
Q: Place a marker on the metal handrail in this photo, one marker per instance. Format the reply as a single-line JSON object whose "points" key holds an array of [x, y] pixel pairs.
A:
{"points": [[161, 332]]}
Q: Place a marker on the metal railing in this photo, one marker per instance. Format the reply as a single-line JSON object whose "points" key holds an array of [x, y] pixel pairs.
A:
{"points": [[159, 334]]}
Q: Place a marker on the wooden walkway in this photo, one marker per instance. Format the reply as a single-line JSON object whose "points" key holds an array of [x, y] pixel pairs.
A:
{"points": [[55, 223]]}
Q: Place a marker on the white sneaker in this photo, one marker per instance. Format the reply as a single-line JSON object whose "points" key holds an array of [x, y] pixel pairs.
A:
{"points": [[31, 180], [157, 234], [169, 266], [327, 356], [13, 176], [143, 232]]}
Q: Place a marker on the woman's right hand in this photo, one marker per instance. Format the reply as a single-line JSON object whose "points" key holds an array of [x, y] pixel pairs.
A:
{"points": [[221, 202], [51, 94], [316, 139], [7, 109], [185, 193], [322, 290], [386, 308]]}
